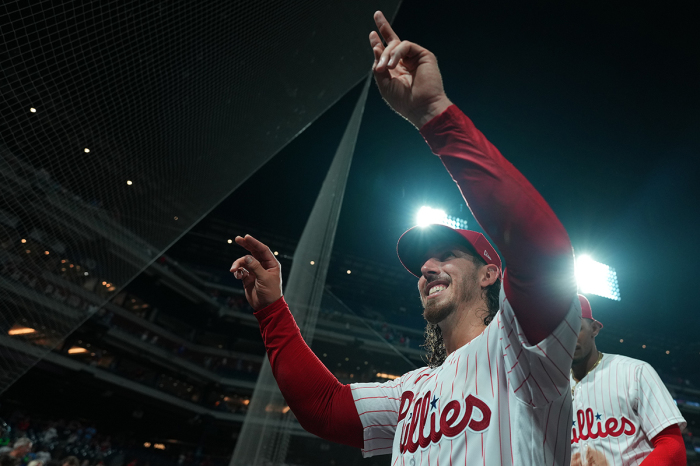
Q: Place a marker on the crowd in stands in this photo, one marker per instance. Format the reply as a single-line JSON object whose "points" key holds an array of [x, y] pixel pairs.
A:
{"points": [[27, 441]]}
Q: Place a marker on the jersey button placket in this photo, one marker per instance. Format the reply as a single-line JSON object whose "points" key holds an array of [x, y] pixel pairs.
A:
{"points": [[412, 462]]}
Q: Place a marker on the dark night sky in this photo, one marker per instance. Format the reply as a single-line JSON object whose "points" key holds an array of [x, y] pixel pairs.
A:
{"points": [[597, 104]]}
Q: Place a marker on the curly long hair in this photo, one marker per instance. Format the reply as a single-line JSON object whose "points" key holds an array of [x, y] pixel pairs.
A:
{"points": [[435, 346]]}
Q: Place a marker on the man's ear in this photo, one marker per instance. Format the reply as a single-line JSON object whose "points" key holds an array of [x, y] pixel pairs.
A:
{"points": [[489, 275], [595, 325]]}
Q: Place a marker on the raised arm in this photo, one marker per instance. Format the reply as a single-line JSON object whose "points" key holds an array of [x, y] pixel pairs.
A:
{"points": [[323, 405], [539, 282]]}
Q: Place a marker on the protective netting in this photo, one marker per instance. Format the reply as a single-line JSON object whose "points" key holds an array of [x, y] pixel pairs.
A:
{"points": [[355, 349], [125, 122], [265, 434]]}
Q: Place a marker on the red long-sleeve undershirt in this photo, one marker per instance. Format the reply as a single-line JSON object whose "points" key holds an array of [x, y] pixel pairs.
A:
{"points": [[669, 449], [539, 283], [321, 404]]}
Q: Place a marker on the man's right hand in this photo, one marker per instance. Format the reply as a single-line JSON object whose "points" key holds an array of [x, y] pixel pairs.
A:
{"points": [[260, 272], [407, 75]]}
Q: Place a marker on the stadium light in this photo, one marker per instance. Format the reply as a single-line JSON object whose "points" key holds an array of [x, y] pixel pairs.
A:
{"points": [[596, 278], [427, 216], [16, 330]]}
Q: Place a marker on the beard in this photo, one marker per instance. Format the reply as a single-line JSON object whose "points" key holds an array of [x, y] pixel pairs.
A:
{"points": [[581, 358], [437, 310], [435, 313]]}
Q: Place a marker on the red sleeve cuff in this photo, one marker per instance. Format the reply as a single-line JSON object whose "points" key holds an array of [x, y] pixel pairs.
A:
{"points": [[270, 309]]}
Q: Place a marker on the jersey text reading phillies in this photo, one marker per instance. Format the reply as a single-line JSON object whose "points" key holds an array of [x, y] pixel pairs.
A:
{"points": [[496, 401], [618, 408]]}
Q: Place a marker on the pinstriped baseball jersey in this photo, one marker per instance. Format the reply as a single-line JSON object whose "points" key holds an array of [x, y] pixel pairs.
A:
{"points": [[498, 400], [618, 407]]}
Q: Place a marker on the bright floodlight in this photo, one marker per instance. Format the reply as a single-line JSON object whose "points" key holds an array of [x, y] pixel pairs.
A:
{"points": [[596, 278], [428, 216]]}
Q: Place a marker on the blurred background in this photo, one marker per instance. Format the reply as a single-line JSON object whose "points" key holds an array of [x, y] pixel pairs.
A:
{"points": [[137, 139]]}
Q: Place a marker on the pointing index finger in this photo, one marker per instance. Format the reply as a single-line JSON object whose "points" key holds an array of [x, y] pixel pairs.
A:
{"points": [[261, 252], [384, 27]]}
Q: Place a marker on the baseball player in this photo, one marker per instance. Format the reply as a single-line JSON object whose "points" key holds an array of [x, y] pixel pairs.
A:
{"points": [[623, 414], [496, 391]]}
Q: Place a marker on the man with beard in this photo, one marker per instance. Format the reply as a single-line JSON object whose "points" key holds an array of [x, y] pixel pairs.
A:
{"points": [[496, 391], [623, 413]]}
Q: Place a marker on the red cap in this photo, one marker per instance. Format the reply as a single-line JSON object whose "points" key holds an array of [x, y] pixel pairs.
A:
{"points": [[415, 243], [586, 311]]}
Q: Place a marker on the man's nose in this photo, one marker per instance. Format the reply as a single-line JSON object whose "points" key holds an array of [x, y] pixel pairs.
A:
{"points": [[430, 267]]}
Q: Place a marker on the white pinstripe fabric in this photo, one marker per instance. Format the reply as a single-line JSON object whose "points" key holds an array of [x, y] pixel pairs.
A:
{"points": [[621, 387], [520, 385]]}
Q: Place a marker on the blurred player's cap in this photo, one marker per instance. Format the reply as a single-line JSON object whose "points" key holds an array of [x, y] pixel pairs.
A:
{"points": [[586, 311], [415, 243]]}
